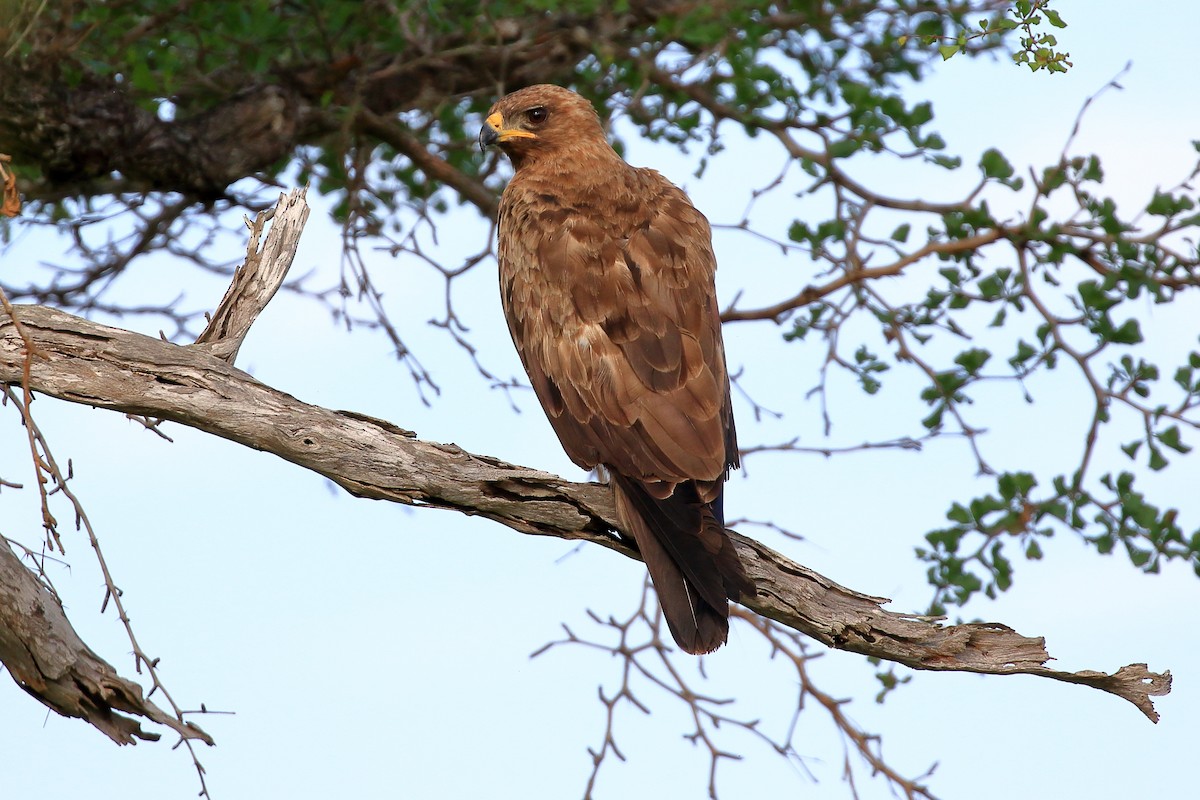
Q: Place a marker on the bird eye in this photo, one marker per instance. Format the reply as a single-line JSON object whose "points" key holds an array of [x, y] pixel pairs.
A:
{"points": [[537, 116]]}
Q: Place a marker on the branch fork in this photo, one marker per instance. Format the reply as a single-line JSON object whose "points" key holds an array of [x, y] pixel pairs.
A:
{"points": [[85, 362]]}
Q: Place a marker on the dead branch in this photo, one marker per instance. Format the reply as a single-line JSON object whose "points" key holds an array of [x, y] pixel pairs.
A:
{"points": [[96, 365], [259, 277], [48, 660]]}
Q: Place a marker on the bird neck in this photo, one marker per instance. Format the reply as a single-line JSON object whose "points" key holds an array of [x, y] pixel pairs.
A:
{"points": [[584, 167]]}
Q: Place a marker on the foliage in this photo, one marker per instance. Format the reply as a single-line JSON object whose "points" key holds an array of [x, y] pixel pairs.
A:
{"points": [[113, 121], [1037, 49]]}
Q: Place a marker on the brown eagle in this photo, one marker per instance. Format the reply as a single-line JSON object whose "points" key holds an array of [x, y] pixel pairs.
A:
{"points": [[606, 275]]}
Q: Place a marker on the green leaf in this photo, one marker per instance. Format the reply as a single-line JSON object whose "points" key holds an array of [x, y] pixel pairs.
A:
{"points": [[934, 420], [1014, 484], [982, 506], [991, 287], [946, 162], [844, 147], [1025, 351], [934, 141], [946, 540], [1184, 377], [799, 232], [972, 360], [995, 165], [1165, 205], [948, 51], [1171, 438], [1003, 568], [958, 513], [1139, 557], [1129, 333], [1093, 296], [1053, 178]]}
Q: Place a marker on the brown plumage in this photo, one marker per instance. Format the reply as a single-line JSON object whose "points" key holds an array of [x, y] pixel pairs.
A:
{"points": [[606, 275]]}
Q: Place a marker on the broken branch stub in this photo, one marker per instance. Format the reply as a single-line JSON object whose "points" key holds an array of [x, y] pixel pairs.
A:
{"points": [[124, 371], [83, 362], [259, 277], [46, 658]]}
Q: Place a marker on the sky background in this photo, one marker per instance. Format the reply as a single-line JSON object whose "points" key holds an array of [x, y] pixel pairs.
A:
{"points": [[371, 650]]}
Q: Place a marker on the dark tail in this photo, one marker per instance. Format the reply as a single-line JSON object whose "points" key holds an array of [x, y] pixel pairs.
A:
{"points": [[690, 558]]}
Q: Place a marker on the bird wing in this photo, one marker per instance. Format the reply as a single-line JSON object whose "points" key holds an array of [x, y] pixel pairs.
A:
{"points": [[615, 318]]}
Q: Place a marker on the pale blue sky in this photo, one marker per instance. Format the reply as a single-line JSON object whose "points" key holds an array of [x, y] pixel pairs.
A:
{"points": [[376, 651]]}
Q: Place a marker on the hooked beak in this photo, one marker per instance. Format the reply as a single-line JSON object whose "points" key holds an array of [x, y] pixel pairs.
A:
{"points": [[493, 132]]}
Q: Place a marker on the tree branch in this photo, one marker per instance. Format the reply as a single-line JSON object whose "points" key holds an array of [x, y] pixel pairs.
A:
{"points": [[259, 277], [433, 165], [84, 362], [810, 294], [47, 658]]}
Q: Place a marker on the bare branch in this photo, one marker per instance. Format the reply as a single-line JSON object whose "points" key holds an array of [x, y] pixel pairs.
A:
{"points": [[433, 165], [48, 660], [810, 294], [127, 372], [259, 277]]}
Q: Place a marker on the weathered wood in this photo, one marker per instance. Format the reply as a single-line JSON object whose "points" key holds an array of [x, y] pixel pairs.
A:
{"points": [[84, 362], [259, 277], [46, 658]]}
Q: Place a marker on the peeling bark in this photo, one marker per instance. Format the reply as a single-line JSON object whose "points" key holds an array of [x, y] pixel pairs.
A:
{"points": [[259, 277], [84, 362], [48, 660], [80, 134], [79, 127], [74, 359]]}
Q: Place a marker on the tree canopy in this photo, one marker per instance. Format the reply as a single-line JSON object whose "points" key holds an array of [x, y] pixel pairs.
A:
{"points": [[138, 133]]}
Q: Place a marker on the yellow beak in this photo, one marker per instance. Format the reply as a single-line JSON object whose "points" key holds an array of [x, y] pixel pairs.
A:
{"points": [[494, 132]]}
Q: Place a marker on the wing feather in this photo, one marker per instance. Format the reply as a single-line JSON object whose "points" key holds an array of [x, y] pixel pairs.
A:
{"points": [[614, 316], [619, 331], [606, 276]]}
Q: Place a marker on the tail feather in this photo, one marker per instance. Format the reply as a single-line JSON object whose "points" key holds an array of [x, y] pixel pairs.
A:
{"points": [[691, 561]]}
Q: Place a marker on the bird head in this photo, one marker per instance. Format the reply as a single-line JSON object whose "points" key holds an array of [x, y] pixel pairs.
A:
{"points": [[541, 119]]}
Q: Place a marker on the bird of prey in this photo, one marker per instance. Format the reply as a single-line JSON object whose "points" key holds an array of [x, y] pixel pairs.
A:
{"points": [[606, 276]]}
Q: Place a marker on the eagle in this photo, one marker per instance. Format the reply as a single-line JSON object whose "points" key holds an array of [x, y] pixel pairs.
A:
{"points": [[607, 282]]}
